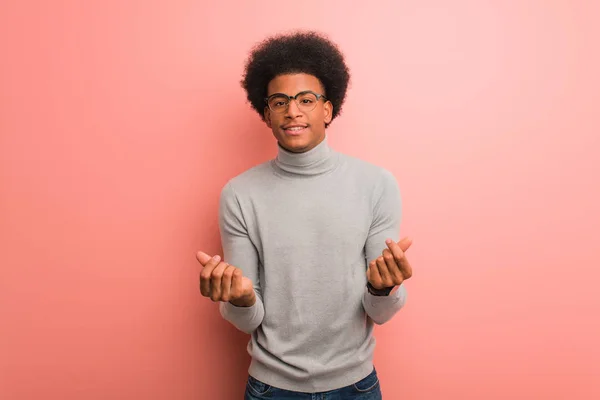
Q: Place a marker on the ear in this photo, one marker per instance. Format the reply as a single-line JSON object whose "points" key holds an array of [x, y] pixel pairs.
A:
{"points": [[267, 116], [328, 110]]}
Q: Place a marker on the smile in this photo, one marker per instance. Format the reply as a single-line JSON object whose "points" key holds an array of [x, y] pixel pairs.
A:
{"points": [[294, 129]]}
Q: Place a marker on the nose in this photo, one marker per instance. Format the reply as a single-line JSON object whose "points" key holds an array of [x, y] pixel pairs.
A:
{"points": [[293, 110]]}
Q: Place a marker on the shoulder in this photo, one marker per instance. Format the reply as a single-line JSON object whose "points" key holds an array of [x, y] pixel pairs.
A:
{"points": [[249, 180], [380, 186], [370, 174]]}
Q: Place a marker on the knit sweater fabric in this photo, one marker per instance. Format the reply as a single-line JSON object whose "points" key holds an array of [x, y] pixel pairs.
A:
{"points": [[303, 227]]}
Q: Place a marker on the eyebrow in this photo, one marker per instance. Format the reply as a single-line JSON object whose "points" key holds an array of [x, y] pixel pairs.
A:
{"points": [[300, 92]]}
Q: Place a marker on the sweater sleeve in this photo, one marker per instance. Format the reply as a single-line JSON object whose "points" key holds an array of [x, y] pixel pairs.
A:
{"points": [[239, 251], [385, 225]]}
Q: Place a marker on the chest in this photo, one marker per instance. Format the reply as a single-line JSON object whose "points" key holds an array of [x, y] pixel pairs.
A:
{"points": [[292, 215]]}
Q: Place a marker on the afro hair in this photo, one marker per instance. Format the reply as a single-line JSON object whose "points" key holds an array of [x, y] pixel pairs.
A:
{"points": [[306, 52]]}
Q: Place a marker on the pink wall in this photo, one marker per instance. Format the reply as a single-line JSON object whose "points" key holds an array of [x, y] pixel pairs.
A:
{"points": [[121, 121]]}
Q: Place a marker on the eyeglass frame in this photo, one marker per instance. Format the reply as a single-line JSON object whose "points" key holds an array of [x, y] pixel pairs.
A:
{"points": [[317, 95]]}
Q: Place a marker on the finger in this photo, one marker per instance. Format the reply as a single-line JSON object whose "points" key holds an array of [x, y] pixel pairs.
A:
{"points": [[392, 266], [405, 268], [400, 257], [226, 283], [202, 258], [405, 243], [397, 248], [215, 281], [373, 275], [236, 284], [205, 275], [386, 278]]}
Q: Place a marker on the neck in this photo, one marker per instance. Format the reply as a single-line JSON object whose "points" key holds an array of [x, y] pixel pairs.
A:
{"points": [[316, 161]]}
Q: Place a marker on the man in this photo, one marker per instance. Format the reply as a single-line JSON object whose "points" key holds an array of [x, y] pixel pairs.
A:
{"points": [[311, 254]]}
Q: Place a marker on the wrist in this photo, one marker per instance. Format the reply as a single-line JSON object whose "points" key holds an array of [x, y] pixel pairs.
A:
{"points": [[379, 292], [246, 301]]}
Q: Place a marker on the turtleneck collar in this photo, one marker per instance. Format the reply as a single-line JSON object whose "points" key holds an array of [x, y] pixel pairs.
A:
{"points": [[317, 161]]}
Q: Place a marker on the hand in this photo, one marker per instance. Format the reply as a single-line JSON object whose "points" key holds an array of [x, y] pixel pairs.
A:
{"points": [[223, 282], [392, 268]]}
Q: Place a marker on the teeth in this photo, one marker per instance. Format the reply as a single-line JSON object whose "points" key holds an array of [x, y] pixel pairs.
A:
{"points": [[295, 128]]}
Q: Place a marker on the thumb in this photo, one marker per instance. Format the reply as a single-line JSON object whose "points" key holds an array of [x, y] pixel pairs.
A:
{"points": [[203, 258], [405, 243], [247, 285]]}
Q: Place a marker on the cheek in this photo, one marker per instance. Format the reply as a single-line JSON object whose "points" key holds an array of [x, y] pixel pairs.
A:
{"points": [[272, 121], [320, 116]]}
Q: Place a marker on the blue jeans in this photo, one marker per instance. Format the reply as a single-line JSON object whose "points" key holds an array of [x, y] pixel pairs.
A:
{"points": [[365, 389]]}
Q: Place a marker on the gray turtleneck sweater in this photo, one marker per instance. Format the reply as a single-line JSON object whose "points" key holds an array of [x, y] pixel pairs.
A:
{"points": [[303, 228]]}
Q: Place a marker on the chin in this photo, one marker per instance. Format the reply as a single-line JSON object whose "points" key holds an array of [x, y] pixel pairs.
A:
{"points": [[294, 144], [297, 144]]}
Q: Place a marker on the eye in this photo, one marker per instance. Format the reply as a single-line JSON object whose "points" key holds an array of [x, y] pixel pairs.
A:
{"points": [[278, 102], [307, 99]]}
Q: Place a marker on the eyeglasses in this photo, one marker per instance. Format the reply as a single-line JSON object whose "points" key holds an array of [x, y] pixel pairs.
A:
{"points": [[306, 101]]}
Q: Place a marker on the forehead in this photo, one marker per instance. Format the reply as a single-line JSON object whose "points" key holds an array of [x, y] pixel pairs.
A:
{"points": [[291, 84]]}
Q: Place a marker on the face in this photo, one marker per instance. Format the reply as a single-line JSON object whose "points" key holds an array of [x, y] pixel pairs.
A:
{"points": [[296, 130]]}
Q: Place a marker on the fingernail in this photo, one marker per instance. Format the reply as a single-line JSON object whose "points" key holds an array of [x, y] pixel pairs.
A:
{"points": [[217, 258], [389, 241]]}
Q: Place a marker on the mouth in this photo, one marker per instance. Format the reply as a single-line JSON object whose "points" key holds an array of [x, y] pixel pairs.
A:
{"points": [[294, 129]]}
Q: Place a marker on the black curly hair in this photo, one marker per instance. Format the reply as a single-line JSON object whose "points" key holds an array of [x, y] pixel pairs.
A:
{"points": [[306, 52]]}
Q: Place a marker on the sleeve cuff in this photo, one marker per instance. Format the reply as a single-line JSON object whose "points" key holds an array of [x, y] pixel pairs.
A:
{"points": [[392, 298], [236, 311]]}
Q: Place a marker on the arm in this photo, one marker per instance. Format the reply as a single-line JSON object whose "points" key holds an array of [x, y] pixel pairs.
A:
{"points": [[385, 225], [239, 251]]}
